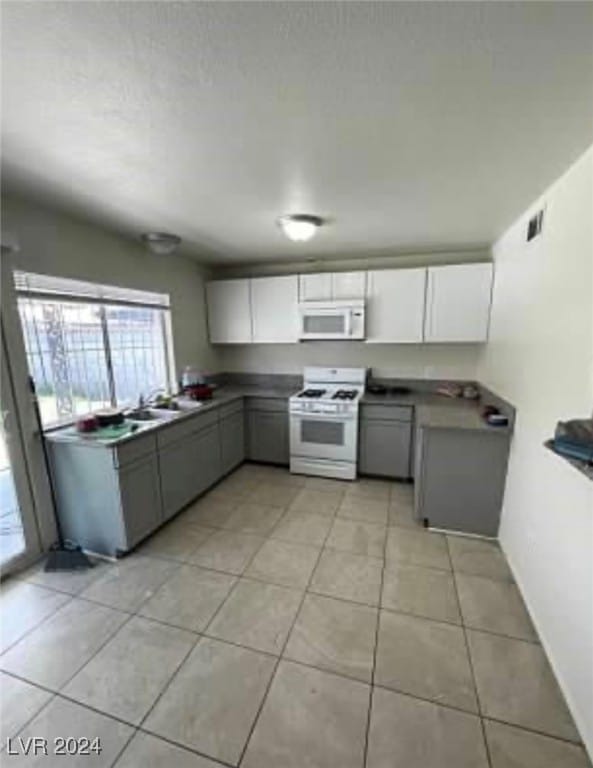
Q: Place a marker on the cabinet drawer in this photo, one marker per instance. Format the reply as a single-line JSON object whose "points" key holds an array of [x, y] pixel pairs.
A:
{"points": [[174, 432], [387, 412], [132, 450], [278, 404], [230, 408]]}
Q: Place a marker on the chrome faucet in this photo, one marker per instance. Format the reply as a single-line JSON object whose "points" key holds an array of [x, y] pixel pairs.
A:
{"points": [[144, 400]]}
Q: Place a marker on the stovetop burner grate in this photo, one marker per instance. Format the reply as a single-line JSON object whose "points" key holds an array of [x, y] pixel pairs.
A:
{"points": [[345, 394], [312, 393]]}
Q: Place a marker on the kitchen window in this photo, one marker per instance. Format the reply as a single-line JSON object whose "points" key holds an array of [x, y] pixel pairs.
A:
{"points": [[90, 346]]}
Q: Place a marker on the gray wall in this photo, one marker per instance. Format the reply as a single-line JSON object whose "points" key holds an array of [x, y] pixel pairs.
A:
{"points": [[415, 361], [55, 243]]}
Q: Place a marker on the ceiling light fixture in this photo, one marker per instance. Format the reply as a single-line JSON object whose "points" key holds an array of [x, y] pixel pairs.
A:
{"points": [[300, 227], [161, 243]]}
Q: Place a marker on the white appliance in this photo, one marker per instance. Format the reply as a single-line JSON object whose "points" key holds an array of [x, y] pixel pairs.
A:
{"points": [[324, 422], [331, 319]]}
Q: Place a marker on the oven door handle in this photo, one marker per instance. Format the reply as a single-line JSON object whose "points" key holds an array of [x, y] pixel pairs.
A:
{"points": [[324, 416]]}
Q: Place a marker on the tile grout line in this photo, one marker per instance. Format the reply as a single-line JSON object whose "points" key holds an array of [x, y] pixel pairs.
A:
{"points": [[36, 626], [376, 643], [61, 695], [470, 661], [199, 637], [281, 655], [238, 577]]}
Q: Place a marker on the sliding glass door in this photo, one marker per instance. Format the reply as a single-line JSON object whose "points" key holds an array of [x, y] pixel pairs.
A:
{"points": [[19, 538]]}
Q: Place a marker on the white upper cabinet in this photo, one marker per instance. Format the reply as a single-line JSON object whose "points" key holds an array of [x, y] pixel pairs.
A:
{"points": [[229, 311], [315, 287], [395, 306], [330, 286], [458, 303], [348, 285], [274, 308]]}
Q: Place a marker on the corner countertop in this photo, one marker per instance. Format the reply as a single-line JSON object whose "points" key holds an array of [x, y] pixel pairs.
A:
{"points": [[434, 411]]}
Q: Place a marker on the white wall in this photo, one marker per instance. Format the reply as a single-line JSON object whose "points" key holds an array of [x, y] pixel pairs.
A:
{"points": [[54, 243], [416, 361], [540, 357]]}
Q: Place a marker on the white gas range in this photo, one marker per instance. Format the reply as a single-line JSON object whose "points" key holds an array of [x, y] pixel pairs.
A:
{"points": [[324, 422]]}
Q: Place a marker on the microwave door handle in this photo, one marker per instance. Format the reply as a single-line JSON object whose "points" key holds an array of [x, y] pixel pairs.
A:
{"points": [[348, 323]]}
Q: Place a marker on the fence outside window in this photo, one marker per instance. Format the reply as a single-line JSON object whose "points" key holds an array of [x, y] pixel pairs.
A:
{"points": [[90, 346]]}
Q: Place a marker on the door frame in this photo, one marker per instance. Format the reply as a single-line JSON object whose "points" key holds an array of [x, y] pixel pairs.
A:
{"points": [[19, 466]]}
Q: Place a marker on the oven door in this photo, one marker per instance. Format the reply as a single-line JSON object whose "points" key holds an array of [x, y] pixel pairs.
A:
{"points": [[325, 322], [323, 436]]}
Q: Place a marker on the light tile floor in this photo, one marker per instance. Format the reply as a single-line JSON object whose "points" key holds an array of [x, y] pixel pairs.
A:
{"points": [[283, 622]]}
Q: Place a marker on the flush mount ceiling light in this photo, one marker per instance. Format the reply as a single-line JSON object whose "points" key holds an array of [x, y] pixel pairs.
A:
{"points": [[161, 243], [300, 227]]}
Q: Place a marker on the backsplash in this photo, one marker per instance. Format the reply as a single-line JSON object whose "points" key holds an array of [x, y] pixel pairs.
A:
{"points": [[413, 361]]}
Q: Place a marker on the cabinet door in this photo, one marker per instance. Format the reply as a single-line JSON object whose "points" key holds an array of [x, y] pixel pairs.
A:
{"points": [[232, 441], [385, 448], [316, 286], [274, 303], [268, 437], [458, 303], [179, 475], [229, 311], [395, 306], [140, 499], [206, 456], [348, 285]]}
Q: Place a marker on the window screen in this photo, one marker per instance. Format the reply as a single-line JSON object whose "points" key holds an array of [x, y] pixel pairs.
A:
{"points": [[89, 346]]}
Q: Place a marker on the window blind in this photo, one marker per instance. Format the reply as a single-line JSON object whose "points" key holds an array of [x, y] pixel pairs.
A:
{"points": [[29, 284]]}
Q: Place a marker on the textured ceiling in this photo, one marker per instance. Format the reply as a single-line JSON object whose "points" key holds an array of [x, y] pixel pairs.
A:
{"points": [[409, 125]]}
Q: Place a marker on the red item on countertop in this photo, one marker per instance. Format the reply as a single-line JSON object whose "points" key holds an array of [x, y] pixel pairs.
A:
{"points": [[198, 392], [87, 424]]}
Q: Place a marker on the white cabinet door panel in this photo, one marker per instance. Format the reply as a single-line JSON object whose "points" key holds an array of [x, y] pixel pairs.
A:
{"points": [[274, 306], [229, 311], [458, 303], [395, 306], [315, 287], [348, 285]]}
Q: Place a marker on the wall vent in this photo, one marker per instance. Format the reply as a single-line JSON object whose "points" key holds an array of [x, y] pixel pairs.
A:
{"points": [[535, 225]]}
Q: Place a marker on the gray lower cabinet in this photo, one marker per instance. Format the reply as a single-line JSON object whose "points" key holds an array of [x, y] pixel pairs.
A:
{"points": [[232, 441], [385, 441], [268, 434], [460, 478], [177, 468], [104, 505], [208, 467], [187, 467], [110, 497], [140, 498]]}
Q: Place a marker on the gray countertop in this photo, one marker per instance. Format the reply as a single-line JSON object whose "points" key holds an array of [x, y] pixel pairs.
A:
{"points": [[432, 411], [222, 396]]}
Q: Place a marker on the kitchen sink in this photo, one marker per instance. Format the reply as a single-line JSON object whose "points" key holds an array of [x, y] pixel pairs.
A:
{"points": [[152, 414]]}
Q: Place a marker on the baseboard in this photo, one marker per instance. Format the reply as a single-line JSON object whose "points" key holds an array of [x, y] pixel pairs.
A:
{"points": [[550, 656]]}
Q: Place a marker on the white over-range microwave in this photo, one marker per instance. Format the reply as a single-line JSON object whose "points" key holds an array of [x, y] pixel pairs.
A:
{"points": [[331, 319]]}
